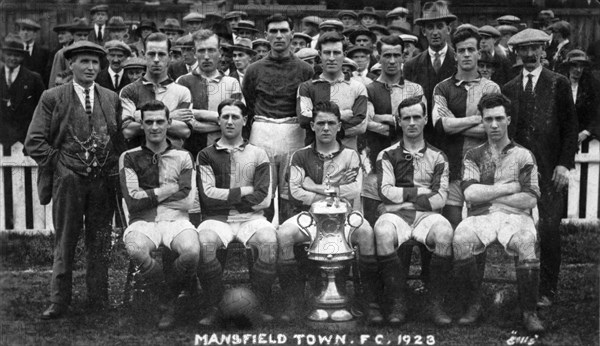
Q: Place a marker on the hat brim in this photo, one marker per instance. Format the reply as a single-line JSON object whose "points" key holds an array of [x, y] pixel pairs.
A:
{"points": [[579, 60], [69, 54], [14, 50], [163, 30], [247, 50], [80, 28], [353, 50], [61, 27], [374, 15], [448, 19], [352, 37], [244, 28]]}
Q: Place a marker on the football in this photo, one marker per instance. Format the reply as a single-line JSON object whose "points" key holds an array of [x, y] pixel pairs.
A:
{"points": [[239, 306]]}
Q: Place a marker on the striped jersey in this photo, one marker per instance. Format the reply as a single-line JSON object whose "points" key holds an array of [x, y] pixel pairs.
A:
{"points": [[143, 176], [455, 98], [223, 171], [514, 164], [403, 177]]}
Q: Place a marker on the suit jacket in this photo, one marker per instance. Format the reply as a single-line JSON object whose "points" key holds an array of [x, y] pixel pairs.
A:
{"points": [[587, 104], [18, 104], [420, 70], [550, 132], [93, 38], [38, 61], [49, 126], [177, 70], [106, 81], [502, 73], [557, 64]]}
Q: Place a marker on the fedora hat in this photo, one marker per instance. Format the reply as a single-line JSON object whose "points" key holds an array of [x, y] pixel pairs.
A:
{"points": [[435, 11], [80, 24], [362, 31], [368, 11], [172, 24], [244, 45], [13, 43], [116, 23]]}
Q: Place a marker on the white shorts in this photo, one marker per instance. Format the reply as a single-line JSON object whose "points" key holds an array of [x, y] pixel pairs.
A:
{"points": [[160, 232], [498, 226], [418, 231], [242, 231]]}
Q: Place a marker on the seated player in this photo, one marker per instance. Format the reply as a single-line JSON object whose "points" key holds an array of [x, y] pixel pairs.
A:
{"points": [[309, 166], [500, 181], [156, 180], [412, 178], [234, 182]]}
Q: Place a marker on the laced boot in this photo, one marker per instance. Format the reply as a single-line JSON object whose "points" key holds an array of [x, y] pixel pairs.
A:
{"points": [[440, 268], [468, 274], [528, 281]]}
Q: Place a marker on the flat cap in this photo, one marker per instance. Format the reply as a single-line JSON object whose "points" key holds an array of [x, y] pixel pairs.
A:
{"points": [[349, 13], [134, 63], [193, 17], [214, 15], [185, 41], [507, 29], [529, 36], [13, 43], [351, 63], [99, 8], [368, 11], [375, 68], [260, 41], [312, 19], [28, 23], [508, 19], [245, 25], [117, 45], [403, 27], [409, 38], [377, 27], [546, 14], [577, 55], [307, 53], [80, 24], [84, 47], [488, 30], [560, 25], [467, 26], [235, 14], [397, 12], [332, 23], [172, 24], [303, 36], [353, 49], [61, 27], [116, 23]]}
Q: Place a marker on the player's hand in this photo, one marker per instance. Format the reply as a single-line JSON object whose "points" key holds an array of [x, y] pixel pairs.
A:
{"points": [[476, 119], [246, 190], [171, 188], [349, 176], [583, 135], [423, 191], [560, 177], [512, 187], [184, 115]]}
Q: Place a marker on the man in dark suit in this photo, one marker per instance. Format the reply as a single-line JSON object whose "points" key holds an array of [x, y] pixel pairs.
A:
{"points": [[188, 63], [561, 32], [37, 56], [20, 90], [114, 77], [437, 62], [543, 120], [76, 140], [489, 44], [586, 95], [99, 17]]}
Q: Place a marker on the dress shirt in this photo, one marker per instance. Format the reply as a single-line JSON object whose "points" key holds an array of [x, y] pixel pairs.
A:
{"points": [[574, 87], [442, 53], [80, 90], [112, 76], [192, 67], [30, 47], [10, 77], [536, 76], [97, 27]]}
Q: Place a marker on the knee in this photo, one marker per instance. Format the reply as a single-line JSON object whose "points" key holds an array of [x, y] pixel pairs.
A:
{"points": [[136, 250], [187, 262], [286, 234], [463, 243], [265, 236], [442, 233], [208, 238], [384, 231]]}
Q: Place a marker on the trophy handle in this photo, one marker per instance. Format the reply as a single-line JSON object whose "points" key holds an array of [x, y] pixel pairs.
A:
{"points": [[301, 220], [355, 219]]}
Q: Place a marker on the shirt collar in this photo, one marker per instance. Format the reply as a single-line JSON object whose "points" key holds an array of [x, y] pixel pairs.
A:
{"points": [[339, 79], [327, 156], [169, 147], [507, 148], [442, 52], [216, 79], [419, 154], [458, 82], [81, 88], [164, 83], [15, 71], [240, 147], [193, 66], [113, 73], [535, 73], [400, 83]]}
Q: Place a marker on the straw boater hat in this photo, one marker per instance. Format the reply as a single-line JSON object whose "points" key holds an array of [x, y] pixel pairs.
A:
{"points": [[488, 30], [193, 17], [116, 23], [28, 23], [172, 24], [99, 8], [435, 11], [86, 47], [80, 24], [529, 36], [13, 43], [368, 11], [245, 25], [243, 45], [577, 56], [134, 63], [349, 13], [117, 45], [362, 31]]}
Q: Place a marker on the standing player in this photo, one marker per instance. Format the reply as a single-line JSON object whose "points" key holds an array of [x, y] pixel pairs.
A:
{"points": [[500, 181]]}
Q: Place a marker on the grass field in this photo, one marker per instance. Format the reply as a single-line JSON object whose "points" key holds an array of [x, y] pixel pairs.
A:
{"points": [[573, 320]]}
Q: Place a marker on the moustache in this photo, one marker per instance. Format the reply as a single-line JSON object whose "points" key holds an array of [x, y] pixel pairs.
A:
{"points": [[529, 59]]}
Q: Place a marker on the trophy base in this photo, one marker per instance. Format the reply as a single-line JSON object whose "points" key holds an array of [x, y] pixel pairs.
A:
{"points": [[340, 320]]}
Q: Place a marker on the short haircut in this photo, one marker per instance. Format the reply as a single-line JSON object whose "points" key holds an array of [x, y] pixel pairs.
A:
{"points": [[391, 40], [411, 101], [278, 17], [205, 34], [493, 100], [154, 105], [157, 37], [327, 107], [465, 34], [331, 37], [233, 102]]}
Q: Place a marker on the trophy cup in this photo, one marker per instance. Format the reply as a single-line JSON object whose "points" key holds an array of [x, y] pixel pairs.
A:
{"points": [[331, 249]]}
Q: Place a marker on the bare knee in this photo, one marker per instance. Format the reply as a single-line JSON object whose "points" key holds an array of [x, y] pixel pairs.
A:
{"points": [[363, 237], [287, 235], [440, 236], [385, 237], [463, 243], [265, 241], [209, 243], [523, 243]]}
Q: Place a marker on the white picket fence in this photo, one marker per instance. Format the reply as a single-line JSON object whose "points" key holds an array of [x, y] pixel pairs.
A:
{"points": [[17, 162]]}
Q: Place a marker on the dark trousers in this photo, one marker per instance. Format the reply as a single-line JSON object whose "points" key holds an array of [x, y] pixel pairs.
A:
{"points": [[81, 203], [551, 207]]}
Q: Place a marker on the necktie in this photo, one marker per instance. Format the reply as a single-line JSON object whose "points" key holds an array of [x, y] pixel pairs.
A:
{"points": [[116, 81], [99, 33], [529, 85], [437, 62], [27, 49], [88, 104]]}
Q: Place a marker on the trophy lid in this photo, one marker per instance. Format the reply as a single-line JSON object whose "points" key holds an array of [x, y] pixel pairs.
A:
{"points": [[329, 206]]}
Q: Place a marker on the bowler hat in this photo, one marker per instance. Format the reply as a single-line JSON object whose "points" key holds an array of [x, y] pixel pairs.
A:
{"points": [[84, 47], [435, 11]]}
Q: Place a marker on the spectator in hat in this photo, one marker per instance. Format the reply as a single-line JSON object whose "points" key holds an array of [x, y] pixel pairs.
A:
{"points": [[117, 29], [145, 28], [376, 70], [38, 55], [368, 16], [310, 26], [348, 66], [114, 77], [438, 61], [506, 32], [245, 29], [544, 120], [410, 46], [20, 90], [400, 29], [99, 17], [175, 54], [379, 31], [488, 44], [65, 38], [331, 25], [193, 22], [398, 16], [135, 68], [300, 40], [80, 30], [585, 89], [561, 32], [242, 57], [233, 17], [188, 62], [363, 37], [486, 65], [348, 18], [226, 65], [361, 55], [76, 141], [172, 29], [311, 57], [261, 47], [509, 20]]}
